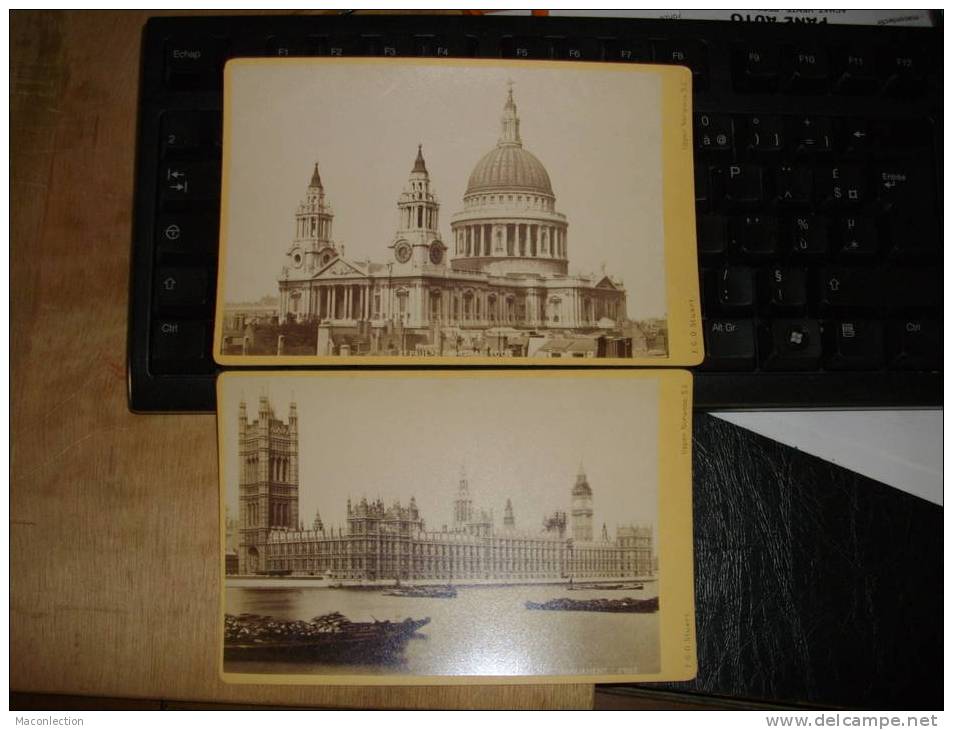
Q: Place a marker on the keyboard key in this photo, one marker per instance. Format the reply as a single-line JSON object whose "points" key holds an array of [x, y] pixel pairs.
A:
{"points": [[913, 235], [808, 236], [842, 288], [396, 46], [729, 344], [734, 289], [857, 238], [433, 46], [906, 185], [908, 288], [180, 347], [915, 344], [187, 233], [188, 131], [855, 71], [577, 49], [524, 47], [839, 186], [753, 237], [851, 344], [764, 134], [812, 134], [285, 46], [340, 46], [684, 52], [793, 185], [627, 50], [784, 289], [903, 71], [808, 69], [711, 235], [740, 184], [194, 63], [189, 181], [853, 137], [702, 186], [713, 132], [755, 68], [791, 344], [184, 286]]}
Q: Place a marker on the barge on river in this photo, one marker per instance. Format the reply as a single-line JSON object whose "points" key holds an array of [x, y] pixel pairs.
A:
{"points": [[331, 637], [604, 605]]}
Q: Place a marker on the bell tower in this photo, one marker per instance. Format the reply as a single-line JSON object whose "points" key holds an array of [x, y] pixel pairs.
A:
{"points": [[582, 508], [312, 244], [417, 240], [267, 483], [462, 505]]}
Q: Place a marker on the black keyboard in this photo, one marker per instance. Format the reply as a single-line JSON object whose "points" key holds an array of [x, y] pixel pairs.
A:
{"points": [[817, 180]]}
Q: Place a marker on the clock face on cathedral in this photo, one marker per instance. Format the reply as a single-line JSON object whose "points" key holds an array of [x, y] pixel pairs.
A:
{"points": [[436, 253], [403, 252]]}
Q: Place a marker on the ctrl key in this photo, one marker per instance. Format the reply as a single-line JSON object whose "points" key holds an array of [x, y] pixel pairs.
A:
{"points": [[180, 347], [729, 344], [915, 344]]}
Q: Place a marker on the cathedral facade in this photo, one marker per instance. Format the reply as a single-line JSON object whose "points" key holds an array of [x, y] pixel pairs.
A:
{"points": [[382, 543], [500, 285]]}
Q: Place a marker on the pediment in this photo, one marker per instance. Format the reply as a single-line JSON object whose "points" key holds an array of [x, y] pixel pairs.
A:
{"points": [[339, 268], [606, 283]]}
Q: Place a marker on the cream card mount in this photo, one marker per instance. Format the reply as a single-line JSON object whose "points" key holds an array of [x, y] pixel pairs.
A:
{"points": [[451, 526], [456, 212]]}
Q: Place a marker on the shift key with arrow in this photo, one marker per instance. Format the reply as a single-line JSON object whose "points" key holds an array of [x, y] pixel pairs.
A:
{"points": [[189, 181]]}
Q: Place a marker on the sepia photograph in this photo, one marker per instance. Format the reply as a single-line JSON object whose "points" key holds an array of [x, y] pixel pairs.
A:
{"points": [[444, 211], [511, 528]]}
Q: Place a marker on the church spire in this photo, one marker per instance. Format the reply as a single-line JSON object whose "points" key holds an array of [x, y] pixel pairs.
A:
{"points": [[419, 164], [313, 220], [316, 178], [511, 122]]}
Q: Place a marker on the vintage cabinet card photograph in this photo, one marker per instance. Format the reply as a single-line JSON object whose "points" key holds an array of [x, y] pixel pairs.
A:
{"points": [[421, 527], [458, 212]]}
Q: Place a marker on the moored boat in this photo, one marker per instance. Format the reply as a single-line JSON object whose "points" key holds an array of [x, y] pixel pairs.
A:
{"points": [[423, 592], [605, 605], [331, 637]]}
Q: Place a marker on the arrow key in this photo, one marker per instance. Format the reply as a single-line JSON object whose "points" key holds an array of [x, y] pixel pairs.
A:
{"points": [[842, 288], [182, 286], [853, 137], [189, 181]]}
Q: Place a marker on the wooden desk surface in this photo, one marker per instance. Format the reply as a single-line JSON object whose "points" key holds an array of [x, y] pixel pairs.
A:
{"points": [[113, 516]]}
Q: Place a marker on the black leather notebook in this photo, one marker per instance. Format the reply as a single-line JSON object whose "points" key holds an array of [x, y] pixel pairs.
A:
{"points": [[815, 586]]}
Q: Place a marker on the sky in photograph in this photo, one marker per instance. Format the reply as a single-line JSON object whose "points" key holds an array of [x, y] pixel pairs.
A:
{"points": [[518, 437], [597, 133]]}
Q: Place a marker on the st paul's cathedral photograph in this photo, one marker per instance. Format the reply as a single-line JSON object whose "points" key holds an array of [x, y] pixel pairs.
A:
{"points": [[500, 284]]}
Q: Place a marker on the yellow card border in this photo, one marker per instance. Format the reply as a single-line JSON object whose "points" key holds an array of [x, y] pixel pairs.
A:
{"points": [[677, 646], [685, 346]]}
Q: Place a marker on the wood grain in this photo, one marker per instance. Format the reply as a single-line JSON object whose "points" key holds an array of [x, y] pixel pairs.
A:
{"points": [[114, 516]]}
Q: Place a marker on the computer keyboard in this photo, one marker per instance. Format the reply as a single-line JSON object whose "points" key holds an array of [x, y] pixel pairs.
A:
{"points": [[817, 181]]}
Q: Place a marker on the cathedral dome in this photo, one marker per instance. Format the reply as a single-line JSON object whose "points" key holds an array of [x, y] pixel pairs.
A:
{"points": [[509, 167]]}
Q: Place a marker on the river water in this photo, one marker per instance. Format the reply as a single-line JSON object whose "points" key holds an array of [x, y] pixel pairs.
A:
{"points": [[484, 631]]}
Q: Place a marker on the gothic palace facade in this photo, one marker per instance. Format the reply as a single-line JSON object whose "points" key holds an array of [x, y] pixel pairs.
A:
{"points": [[502, 285], [383, 542]]}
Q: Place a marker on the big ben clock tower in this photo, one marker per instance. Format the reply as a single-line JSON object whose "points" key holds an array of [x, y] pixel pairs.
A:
{"points": [[417, 241], [582, 508]]}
